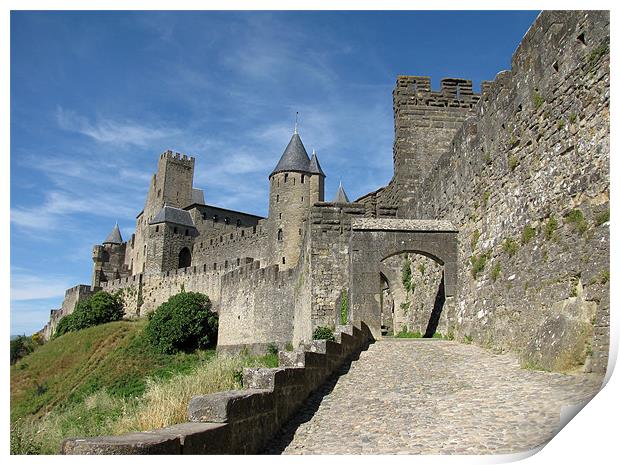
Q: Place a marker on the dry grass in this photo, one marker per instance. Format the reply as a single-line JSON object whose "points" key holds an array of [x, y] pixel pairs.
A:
{"points": [[165, 403]]}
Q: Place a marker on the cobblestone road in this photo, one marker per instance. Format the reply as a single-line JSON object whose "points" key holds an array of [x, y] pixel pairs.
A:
{"points": [[432, 397]]}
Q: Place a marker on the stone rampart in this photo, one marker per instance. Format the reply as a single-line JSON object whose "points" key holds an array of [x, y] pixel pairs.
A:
{"points": [[330, 231], [73, 295], [220, 246], [257, 308], [527, 182]]}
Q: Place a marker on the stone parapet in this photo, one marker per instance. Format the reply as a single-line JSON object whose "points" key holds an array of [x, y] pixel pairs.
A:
{"points": [[242, 421]]}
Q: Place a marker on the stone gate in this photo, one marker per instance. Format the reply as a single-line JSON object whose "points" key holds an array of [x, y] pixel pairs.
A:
{"points": [[374, 240]]}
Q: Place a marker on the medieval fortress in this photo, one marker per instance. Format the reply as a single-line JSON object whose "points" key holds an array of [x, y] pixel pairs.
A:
{"points": [[499, 206]]}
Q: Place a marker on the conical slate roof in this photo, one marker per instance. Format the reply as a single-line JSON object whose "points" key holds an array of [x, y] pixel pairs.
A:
{"points": [[315, 167], [174, 215], [341, 196], [294, 158], [114, 237]]}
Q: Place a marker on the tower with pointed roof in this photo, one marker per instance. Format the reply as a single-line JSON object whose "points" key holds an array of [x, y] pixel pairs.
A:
{"points": [[109, 258], [341, 196], [295, 184]]}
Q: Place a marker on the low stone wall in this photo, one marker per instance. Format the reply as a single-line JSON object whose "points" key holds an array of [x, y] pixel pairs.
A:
{"points": [[239, 422]]}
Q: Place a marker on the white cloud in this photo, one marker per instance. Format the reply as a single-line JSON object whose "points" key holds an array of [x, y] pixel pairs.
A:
{"points": [[37, 287], [110, 131], [56, 210]]}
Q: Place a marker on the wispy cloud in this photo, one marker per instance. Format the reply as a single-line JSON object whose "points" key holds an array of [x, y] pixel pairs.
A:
{"points": [[112, 131], [55, 211], [35, 286]]}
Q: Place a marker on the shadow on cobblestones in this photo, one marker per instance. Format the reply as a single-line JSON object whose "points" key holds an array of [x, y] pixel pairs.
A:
{"points": [[286, 434]]}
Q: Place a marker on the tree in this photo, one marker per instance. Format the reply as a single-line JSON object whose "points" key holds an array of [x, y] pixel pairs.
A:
{"points": [[101, 307], [184, 323]]}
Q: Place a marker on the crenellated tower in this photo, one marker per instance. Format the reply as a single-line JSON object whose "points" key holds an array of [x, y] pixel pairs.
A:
{"points": [[425, 122], [172, 185]]}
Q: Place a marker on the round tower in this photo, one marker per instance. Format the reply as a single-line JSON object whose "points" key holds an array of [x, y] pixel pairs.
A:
{"points": [[295, 185]]}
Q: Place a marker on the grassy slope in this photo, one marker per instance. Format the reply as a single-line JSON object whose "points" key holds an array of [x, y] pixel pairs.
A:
{"points": [[66, 370], [107, 380]]}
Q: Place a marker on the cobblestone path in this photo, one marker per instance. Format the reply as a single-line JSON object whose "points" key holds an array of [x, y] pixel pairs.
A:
{"points": [[432, 397]]}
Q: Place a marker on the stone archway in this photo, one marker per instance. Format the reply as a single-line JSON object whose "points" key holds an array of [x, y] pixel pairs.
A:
{"points": [[415, 283], [185, 258], [373, 240]]}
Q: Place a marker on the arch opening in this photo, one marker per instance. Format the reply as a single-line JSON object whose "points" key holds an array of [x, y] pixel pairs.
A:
{"points": [[185, 258], [412, 295]]}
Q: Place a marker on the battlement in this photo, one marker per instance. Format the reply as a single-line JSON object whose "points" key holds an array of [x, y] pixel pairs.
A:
{"points": [[177, 157], [254, 273], [77, 290], [121, 282], [453, 93]]}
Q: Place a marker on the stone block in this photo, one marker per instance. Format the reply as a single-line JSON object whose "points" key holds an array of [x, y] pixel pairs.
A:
{"points": [[201, 438], [149, 443], [230, 406]]}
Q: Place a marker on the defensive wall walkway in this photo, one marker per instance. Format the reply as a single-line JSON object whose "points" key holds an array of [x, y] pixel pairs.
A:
{"points": [[433, 397]]}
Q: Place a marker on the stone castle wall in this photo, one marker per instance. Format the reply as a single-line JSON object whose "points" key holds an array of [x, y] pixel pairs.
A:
{"points": [[527, 181], [257, 308], [223, 247], [73, 295], [142, 294], [425, 123], [330, 231]]}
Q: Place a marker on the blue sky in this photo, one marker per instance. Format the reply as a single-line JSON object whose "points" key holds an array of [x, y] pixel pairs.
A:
{"points": [[97, 96]]}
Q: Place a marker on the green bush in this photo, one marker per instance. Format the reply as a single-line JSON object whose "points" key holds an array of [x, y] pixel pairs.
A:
{"points": [[602, 217], [513, 162], [478, 262], [495, 272], [550, 226], [528, 234], [183, 323], [404, 334], [576, 218], [538, 100], [406, 274], [474, 239], [323, 332], [510, 246], [22, 346], [272, 348], [344, 308], [97, 309]]}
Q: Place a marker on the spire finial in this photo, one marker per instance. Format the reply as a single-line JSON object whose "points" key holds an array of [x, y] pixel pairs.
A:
{"points": [[313, 151], [296, 121]]}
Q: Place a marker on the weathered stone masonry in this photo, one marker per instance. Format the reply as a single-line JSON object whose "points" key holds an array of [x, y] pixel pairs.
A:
{"points": [[535, 155], [507, 192], [521, 172]]}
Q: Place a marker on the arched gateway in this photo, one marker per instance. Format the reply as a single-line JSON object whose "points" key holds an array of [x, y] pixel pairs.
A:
{"points": [[373, 240]]}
